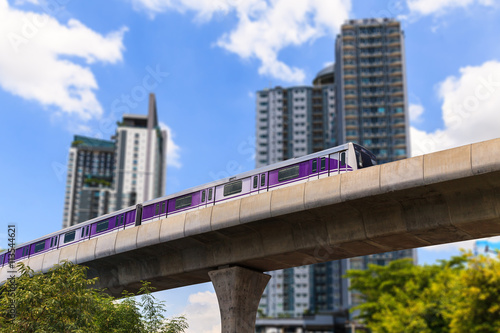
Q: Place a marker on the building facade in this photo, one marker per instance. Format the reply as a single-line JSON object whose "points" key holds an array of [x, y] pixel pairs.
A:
{"points": [[141, 150], [295, 121], [104, 176], [362, 99], [89, 179], [371, 87]]}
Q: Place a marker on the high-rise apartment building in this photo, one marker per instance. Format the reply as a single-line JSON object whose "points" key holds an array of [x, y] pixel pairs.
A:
{"points": [[362, 99], [295, 121], [141, 150], [104, 176], [89, 179], [371, 87]]}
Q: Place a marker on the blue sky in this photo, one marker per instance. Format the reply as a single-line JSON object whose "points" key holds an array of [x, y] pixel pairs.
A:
{"points": [[74, 67]]}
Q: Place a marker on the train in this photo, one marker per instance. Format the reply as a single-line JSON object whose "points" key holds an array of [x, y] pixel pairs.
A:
{"points": [[344, 158]]}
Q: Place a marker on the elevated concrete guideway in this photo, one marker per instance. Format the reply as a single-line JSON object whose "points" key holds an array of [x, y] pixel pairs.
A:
{"points": [[444, 197]]}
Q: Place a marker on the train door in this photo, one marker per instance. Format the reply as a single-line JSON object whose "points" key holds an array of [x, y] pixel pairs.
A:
{"points": [[255, 185], [343, 162], [323, 166], [203, 198], [263, 181], [313, 166], [210, 192], [334, 164]]}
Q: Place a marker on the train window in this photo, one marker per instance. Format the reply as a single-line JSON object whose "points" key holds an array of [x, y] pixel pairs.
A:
{"points": [[209, 194], [203, 196], [183, 202], [83, 232], [51, 242], [101, 226], [255, 181], [233, 188], [39, 246], [263, 179], [157, 209], [87, 231], [315, 165], [323, 163], [69, 236], [288, 173], [163, 207], [342, 160]]}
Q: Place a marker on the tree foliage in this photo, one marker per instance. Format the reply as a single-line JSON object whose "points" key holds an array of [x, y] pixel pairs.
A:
{"points": [[458, 295], [63, 301]]}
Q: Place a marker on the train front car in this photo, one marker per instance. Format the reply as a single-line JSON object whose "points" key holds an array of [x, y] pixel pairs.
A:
{"points": [[364, 157]]}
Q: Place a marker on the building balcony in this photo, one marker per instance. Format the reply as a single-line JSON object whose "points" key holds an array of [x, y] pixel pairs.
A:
{"points": [[370, 54], [373, 93], [374, 135], [398, 102], [372, 84], [374, 114], [371, 64], [370, 74], [377, 44], [376, 124], [351, 137]]}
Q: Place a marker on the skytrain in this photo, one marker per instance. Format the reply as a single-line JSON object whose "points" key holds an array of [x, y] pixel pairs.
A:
{"points": [[329, 162]]}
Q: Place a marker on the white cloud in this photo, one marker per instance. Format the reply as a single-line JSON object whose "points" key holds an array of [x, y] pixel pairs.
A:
{"points": [[36, 60], [173, 150], [426, 7], [265, 27], [470, 110], [203, 313], [416, 111]]}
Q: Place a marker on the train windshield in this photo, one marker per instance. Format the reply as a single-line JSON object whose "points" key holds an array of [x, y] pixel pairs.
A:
{"points": [[364, 157]]}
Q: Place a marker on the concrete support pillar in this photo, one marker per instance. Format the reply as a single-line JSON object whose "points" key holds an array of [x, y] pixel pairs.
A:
{"points": [[238, 291]]}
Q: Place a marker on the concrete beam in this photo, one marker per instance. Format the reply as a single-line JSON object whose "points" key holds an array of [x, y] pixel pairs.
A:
{"points": [[238, 291]]}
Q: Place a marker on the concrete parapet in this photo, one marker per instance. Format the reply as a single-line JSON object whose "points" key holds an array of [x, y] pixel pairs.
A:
{"points": [[287, 200], [359, 184], [402, 174], [36, 262], [226, 215], [149, 234], [447, 164], [50, 259], [172, 228], [68, 253], [255, 207], [198, 221], [105, 245], [126, 240], [238, 291], [486, 156], [322, 192], [86, 251]]}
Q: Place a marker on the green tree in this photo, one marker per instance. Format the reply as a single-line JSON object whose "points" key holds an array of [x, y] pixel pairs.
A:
{"points": [[478, 307], [63, 301], [402, 297]]}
